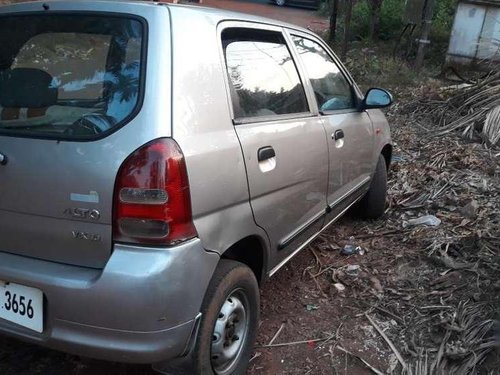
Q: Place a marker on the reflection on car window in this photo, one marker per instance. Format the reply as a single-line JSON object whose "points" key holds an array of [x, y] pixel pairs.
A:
{"points": [[263, 77], [331, 88], [55, 52], [68, 76]]}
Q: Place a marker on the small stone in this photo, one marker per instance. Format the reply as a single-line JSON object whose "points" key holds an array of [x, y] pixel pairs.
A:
{"points": [[376, 284], [470, 209], [340, 287]]}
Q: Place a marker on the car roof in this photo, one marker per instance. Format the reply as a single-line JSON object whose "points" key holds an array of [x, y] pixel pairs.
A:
{"points": [[223, 14], [214, 13]]}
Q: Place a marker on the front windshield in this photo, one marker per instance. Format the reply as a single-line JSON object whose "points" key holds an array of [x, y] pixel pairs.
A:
{"points": [[68, 76]]}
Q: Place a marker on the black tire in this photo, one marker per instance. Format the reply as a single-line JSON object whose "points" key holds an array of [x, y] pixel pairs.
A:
{"points": [[230, 279], [372, 205]]}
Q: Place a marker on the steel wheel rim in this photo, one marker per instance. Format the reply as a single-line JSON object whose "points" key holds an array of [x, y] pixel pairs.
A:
{"points": [[230, 333]]}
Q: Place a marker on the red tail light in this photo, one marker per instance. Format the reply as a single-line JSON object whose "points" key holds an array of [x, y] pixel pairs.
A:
{"points": [[152, 200]]}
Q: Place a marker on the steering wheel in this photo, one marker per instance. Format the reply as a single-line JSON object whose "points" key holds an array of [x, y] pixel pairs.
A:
{"points": [[320, 98], [91, 124]]}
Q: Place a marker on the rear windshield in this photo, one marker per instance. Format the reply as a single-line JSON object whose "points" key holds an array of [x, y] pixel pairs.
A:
{"points": [[68, 76]]}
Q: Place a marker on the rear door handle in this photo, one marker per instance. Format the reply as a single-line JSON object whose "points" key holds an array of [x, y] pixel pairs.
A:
{"points": [[265, 153], [339, 134]]}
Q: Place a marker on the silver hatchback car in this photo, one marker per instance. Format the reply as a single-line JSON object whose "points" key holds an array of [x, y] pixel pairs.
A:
{"points": [[158, 162]]}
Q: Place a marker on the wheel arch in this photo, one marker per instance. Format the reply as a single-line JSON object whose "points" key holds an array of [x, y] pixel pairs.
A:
{"points": [[387, 154], [252, 252]]}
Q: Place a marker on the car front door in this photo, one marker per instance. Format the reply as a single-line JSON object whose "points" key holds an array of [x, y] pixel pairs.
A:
{"points": [[349, 131], [283, 141]]}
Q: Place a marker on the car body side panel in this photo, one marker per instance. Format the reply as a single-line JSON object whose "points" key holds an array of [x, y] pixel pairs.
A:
{"points": [[289, 199], [382, 131], [292, 195], [351, 159], [351, 162], [203, 128]]}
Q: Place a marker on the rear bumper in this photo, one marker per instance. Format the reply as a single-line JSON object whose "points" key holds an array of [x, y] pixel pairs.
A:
{"points": [[140, 308]]}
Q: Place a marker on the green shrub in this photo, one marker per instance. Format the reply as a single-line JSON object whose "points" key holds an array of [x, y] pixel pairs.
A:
{"points": [[391, 23], [390, 19], [360, 20], [444, 15]]}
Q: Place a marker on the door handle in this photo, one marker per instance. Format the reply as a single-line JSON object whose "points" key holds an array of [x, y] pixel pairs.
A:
{"points": [[265, 153], [339, 134]]}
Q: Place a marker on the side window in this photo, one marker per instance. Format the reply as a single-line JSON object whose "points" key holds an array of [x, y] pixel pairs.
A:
{"points": [[263, 77], [332, 90]]}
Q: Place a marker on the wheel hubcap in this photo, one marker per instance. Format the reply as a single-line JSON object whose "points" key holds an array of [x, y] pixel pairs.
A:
{"points": [[229, 333]]}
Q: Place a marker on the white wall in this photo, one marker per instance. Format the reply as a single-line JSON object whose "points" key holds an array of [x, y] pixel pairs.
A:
{"points": [[476, 34]]}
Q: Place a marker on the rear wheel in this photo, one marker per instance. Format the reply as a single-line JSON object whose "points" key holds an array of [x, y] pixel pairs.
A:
{"points": [[228, 326], [372, 205], [230, 333], [229, 322], [280, 2]]}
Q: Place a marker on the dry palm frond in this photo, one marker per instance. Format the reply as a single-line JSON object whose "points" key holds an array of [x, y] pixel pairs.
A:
{"points": [[491, 129], [469, 109], [464, 346], [473, 339]]}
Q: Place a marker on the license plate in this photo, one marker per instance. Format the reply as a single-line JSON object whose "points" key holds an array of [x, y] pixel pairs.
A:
{"points": [[21, 305]]}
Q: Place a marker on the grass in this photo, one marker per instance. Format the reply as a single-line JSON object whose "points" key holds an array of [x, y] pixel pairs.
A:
{"points": [[373, 65]]}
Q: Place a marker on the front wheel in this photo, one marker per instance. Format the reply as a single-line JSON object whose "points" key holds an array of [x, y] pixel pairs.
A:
{"points": [[280, 2], [228, 327], [372, 205]]}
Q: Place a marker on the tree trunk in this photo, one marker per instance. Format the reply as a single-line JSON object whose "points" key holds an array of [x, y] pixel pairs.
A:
{"points": [[347, 27], [424, 36], [375, 9], [333, 20]]}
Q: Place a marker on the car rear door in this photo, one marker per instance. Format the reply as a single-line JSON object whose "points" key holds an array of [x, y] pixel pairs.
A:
{"points": [[349, 132], [68, 84], [283, 142]]}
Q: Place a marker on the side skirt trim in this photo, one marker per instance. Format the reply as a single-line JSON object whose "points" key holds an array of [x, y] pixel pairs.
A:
{"points": [[310, 239]]}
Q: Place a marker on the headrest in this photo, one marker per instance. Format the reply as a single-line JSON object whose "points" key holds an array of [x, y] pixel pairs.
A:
{"points": [[26, 88]]}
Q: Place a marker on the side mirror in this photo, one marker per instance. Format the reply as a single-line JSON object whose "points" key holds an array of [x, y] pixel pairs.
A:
{"points": [[376, 98]]}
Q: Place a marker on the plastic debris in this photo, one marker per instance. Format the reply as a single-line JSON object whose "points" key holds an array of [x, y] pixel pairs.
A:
{"points": [[429, 220], [352, 270], [397, 159], [351, 248], [312, 307]]}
